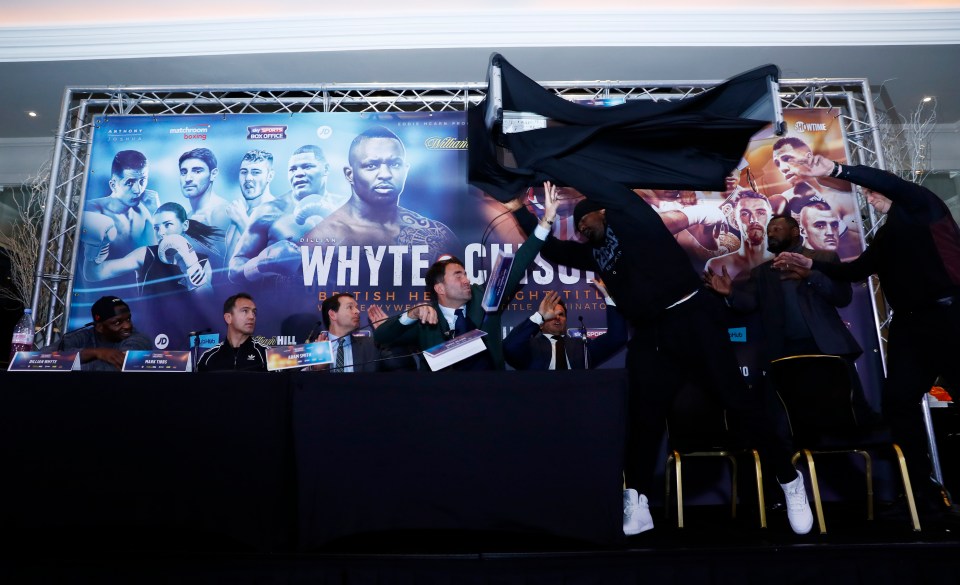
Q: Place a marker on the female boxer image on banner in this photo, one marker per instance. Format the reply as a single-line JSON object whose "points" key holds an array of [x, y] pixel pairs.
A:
{"points": [[171, 266]]}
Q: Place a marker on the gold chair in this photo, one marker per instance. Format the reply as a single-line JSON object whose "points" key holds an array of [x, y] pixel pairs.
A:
{"points": [[697, 428], [816, 392]]}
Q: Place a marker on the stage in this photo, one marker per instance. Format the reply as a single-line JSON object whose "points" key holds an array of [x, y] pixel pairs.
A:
{"points": [[706, 552], [508, 477]]}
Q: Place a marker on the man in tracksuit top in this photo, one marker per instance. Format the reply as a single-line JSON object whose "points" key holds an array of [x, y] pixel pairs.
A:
{"points": [[239, 351]]}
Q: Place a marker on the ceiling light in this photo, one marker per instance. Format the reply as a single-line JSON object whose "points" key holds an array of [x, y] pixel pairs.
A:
{"points": [[927, 99], [32, 114]]}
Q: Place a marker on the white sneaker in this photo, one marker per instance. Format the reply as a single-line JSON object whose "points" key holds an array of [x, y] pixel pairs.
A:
{"points": [[636, 513], [798, 508]]}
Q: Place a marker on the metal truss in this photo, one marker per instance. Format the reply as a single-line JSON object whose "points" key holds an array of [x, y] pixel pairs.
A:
{"points": [[81, 106]]}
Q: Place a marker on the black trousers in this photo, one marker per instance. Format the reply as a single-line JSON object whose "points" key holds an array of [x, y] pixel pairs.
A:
{"points": [[690, 343], [923, 345]]}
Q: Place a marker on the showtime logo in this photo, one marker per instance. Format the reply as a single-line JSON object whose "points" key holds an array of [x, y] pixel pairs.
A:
{"points": [[198, 132], [802, 127]]}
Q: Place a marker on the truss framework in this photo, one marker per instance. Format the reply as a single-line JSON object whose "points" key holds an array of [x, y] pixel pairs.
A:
{"points": [[81, 106]]}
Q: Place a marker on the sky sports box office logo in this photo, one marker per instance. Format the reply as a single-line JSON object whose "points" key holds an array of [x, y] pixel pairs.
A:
{"points": [[266, 132]]}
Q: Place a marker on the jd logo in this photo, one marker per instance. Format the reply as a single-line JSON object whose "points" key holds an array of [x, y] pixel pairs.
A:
{"points": [[162, 341]]}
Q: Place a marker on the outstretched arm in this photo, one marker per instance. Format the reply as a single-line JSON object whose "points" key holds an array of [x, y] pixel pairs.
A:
{"points": [[535, 240], [603, 347], [859, 269], [113, 268], [573, 254], [913, 198]]}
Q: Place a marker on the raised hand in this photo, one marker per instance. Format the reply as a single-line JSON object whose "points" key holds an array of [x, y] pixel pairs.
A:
{"points": [[600, 286], [551, 201], [376, 315], [423, 313], [548, 306], [791, 261], [721, 283], [819, 166]]}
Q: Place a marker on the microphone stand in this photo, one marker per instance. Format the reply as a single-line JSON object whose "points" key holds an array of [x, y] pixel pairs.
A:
{"points": [[583, 335], [195, 345], [382, 359]]}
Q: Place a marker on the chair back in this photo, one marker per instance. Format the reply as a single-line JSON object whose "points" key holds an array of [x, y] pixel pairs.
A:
{"points": [[816, 392], [697, 422]]}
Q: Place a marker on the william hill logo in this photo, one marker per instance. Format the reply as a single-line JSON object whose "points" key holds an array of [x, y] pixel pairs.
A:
{"points": [[445, 143], [277, 340], [198, 132], [802, 127], [266, 132]]}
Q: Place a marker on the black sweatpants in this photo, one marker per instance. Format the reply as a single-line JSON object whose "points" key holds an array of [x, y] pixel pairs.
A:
{"points": [[690, 343]]}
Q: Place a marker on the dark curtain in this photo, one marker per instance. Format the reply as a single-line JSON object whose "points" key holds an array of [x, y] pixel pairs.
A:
{"points": [[690, 143]]}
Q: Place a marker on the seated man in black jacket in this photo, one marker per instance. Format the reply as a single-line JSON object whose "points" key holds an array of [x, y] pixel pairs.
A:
{"points": [[536, 343], [916, 256], [239, 351], [104, 346]]}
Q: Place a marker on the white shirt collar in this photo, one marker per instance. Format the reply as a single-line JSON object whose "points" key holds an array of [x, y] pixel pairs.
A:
{"points": [[451, 314]]}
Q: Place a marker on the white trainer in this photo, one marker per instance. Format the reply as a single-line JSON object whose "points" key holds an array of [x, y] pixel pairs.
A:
{"points": [[798, 508], [636, 513]]}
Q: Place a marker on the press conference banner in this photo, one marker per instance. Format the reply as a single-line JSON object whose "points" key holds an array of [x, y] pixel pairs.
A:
{"points": [[183, 211]]}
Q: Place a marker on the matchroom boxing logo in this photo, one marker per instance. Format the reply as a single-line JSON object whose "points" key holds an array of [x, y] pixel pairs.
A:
{"points": [[198, 132]]}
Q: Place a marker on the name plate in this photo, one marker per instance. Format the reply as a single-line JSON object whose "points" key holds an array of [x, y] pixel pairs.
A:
{"points": [[496, 286], [457, 349], [45, 361], [157, 361], [592, 332], [284, 357]]}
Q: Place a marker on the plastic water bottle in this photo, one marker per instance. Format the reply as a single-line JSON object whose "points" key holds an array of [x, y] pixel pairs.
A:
{"points": [[22, 334]]}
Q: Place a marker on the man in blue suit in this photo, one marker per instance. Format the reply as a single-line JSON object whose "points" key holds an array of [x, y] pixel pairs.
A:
{"points": [[541, 342], [355, 353]]}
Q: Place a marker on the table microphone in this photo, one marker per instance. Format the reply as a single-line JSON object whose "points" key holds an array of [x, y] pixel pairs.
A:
{"points": [[64, 336], [313, 330]]}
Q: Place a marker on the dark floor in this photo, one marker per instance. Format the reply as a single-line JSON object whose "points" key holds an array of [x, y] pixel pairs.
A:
{"points": [[712, 548]]}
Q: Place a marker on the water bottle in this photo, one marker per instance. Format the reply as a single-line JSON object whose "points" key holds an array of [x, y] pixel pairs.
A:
{"points": [[23, 334]]}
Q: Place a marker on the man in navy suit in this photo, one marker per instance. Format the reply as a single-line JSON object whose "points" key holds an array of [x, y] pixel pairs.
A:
{"points": [[541, 342]]}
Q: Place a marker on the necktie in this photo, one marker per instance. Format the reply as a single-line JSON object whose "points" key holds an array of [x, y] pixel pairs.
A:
{"points": [[561, 353], [338, 366], [460, 326]]}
